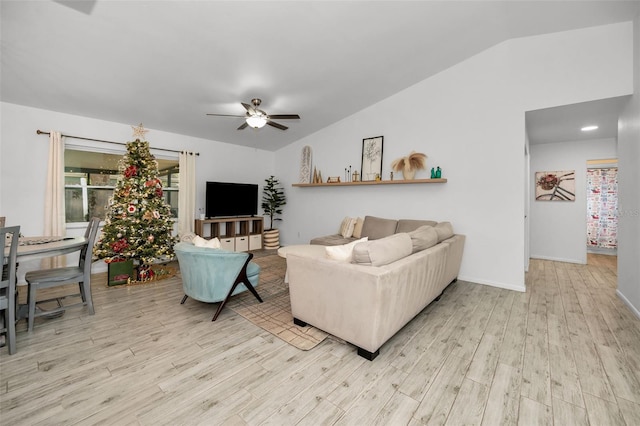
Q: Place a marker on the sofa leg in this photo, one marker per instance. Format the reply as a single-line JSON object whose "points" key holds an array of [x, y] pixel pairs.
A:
{"points": [[368, 355], [299, 323], [440, 295], [184, 299]]}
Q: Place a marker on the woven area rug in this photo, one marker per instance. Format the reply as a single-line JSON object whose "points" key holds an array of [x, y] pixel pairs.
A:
{"points": [[274, 314]]}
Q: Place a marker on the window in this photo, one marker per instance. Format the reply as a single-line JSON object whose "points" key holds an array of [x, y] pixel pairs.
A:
{"points": [[91, 176]]}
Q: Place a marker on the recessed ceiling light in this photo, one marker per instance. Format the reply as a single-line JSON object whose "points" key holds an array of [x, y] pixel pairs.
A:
{"points": [[589, 128]]}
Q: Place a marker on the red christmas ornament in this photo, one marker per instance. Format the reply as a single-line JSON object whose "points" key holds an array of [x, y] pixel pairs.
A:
{"points": [[119, 245], [131, 171]]}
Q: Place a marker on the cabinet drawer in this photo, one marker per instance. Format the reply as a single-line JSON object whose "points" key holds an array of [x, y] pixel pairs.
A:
{"points": [[242, 243], [255, 242], [228, 244]]}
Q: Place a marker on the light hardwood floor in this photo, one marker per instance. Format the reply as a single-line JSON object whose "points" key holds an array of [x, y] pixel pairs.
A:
{"points": [[565, 352]]}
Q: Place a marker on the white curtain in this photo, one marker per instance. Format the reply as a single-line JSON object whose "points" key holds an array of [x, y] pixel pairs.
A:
{"points": [[187, 193], [54, 217]]}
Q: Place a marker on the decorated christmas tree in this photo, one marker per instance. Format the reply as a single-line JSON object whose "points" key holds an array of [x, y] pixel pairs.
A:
{"points": [[138, 223]]}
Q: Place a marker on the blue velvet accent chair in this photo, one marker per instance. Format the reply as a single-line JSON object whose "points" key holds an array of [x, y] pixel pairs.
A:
{"points": [[214, 275]]}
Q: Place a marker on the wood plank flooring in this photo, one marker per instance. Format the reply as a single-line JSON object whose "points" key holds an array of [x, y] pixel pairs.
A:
{"points": [[565, 352]]}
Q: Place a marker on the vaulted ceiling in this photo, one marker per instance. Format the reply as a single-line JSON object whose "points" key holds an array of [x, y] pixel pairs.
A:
{"points": [[169, 63]]}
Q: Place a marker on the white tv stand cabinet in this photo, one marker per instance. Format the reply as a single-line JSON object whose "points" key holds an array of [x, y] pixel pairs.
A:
{"points": [[237, 233]]}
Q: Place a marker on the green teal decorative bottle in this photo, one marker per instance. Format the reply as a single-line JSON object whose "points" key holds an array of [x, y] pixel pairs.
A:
{"points": [[433, 173], [438, 173]]}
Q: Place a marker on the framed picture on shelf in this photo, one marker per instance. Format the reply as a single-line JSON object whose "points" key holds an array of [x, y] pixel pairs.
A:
{"points": [[371, 158]]}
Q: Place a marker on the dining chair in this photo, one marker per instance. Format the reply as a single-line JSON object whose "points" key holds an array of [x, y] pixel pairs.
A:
{"points": [[8, 285], [55, 277]]}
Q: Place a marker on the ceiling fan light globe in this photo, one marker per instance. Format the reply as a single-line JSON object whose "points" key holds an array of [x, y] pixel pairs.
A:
{"points": [[256, 121]]}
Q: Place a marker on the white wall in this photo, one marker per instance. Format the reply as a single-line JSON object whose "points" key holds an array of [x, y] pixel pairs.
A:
{"points": [[23, 160], [629, 190], [469, 120], [559, 228]]}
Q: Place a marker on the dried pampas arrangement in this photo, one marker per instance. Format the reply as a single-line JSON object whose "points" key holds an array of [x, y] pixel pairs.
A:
{"points": [[409, 164]]}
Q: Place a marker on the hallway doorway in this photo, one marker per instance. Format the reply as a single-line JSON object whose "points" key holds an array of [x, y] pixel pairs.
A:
{"points": [[602, 206]]}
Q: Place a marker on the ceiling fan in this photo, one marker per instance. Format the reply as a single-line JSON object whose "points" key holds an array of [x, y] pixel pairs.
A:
{"points": [[257, 118]]}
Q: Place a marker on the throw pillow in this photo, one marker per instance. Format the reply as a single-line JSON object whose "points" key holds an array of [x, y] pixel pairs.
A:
{"points": [[383, 251], [423, 238], [444, 230], [188, 237], [357, 229], [343, 252], [214, 243], [346, 228]]}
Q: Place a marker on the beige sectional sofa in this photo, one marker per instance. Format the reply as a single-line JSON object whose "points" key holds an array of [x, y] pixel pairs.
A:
{"points": [[384, 283]]}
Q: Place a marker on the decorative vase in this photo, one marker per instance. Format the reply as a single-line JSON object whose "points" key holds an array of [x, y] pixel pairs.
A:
{"points": [[408, 174], [271, 239]]}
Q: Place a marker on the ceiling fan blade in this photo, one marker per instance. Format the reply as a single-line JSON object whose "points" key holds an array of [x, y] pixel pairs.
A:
{"points": [[277, 125], [285, 116], [250, 109], [226, 115], [242, 126]]}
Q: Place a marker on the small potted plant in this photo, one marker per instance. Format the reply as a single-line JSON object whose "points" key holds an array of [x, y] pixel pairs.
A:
{"points": [[273, 199]]}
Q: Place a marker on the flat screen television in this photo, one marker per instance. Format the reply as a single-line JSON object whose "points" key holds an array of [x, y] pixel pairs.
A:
{"points": [[231, 199]]}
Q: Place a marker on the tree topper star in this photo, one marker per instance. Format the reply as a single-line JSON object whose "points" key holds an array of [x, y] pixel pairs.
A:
{"points": [[139, 132]]}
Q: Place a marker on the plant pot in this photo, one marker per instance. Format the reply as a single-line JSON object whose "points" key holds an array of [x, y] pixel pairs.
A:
{"points": [[271, 239]]}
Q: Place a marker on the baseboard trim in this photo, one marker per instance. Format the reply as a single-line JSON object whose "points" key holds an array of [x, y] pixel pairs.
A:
{"points": [[520, 288], [558, 259], [626, 301]]}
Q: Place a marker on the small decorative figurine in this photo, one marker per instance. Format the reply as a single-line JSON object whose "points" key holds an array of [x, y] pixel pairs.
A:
{"points": [[391, 176]]}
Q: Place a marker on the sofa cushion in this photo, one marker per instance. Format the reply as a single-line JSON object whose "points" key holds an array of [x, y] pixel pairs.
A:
{"points": [[357, 230], [383, 251], [342, 252], [346, 227], [408, 225], [423, 238], [444, 230], [377, 227], [331, 240], [198, 241]]}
